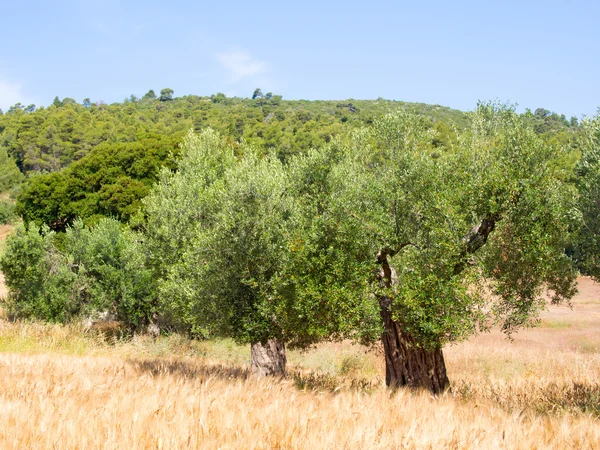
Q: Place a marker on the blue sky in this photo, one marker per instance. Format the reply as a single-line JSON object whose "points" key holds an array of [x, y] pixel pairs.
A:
{"points": [[534, 53]]}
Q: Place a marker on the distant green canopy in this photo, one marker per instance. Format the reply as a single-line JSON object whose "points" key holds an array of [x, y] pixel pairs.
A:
{"points": [[108, 182], [59, 146]]}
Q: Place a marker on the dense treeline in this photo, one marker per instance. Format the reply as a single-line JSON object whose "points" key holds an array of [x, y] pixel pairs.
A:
{"points": [[378, 232], [88, 138], [93, 160], [48, 139]]}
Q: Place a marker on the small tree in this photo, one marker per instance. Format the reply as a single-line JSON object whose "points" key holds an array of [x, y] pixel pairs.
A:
{"points": [[225, 233], [248, 249], [216, 232], [219, 97], [166, 95], [150, 95], [178, 210], [257, 94]]}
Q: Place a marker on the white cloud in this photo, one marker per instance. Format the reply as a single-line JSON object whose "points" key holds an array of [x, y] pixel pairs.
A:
{"points": [[10, 93], [241, 64]]}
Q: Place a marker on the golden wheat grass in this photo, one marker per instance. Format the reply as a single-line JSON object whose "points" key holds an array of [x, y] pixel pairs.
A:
{"points": [[70, 402], [63, 388]]}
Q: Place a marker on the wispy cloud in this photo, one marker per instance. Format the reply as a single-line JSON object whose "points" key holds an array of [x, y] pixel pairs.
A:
{"points": [[10, 93], [241, 64]]}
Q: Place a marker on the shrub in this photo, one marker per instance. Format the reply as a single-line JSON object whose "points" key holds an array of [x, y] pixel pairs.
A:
{"points": [[112, 258], [38, 277], [57, 277], [7, 212]]}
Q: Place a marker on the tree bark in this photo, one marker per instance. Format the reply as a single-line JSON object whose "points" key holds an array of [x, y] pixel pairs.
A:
{"points": [[153, 328], [408, 365], [268, 358]]}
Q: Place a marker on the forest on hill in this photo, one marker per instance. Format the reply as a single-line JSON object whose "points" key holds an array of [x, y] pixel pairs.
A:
{"points": [[48, 139]]}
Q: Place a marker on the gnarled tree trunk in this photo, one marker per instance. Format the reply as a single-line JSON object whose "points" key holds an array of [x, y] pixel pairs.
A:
{"points": [[408, 365], [268, 358]]}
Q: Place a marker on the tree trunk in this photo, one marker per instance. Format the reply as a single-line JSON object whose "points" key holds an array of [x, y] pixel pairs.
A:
{"points": [[268, 358], [153, 328], [408, 365]]}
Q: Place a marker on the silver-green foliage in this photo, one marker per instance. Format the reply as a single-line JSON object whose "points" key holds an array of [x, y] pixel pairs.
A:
{"points": [[216, 230], [326, 283], [588, 182], [245, 246], [181, 212], [258, 256], [427, 211]]}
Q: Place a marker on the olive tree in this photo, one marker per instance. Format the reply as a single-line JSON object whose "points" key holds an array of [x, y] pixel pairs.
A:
{"points": [[217, 230], [180, 212], [450, 242], [233, 238], [587, 248], [377, 235], [248, 251]]}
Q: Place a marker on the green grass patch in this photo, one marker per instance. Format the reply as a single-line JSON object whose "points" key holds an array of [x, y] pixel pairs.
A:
{"points": [[586, 345], [35, 338], [555, 324]]}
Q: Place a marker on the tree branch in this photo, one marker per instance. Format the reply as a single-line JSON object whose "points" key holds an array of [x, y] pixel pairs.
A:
{"points": [[476, 239], [385, 274], [391, 252]]}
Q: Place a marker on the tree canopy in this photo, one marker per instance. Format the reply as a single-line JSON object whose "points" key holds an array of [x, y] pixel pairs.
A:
{"points": [[108, 182]]}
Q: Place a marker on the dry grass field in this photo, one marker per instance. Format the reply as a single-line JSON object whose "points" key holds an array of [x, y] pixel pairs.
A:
{"points": [[62, 388]]}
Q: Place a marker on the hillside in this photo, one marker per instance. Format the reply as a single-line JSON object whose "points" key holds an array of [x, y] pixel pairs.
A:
{"points": [[48, 139], [94, 160]]}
